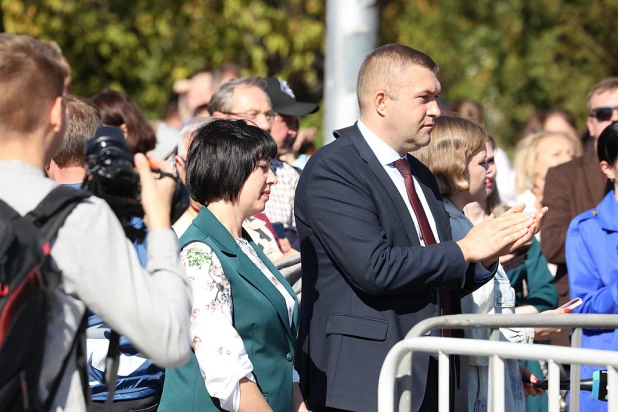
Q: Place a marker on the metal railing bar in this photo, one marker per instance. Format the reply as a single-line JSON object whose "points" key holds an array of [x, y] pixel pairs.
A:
{"points": [[525, 321], [612, 392], [443, 382], [553, 391], [504, 350], [574, 397], [495, 398]]}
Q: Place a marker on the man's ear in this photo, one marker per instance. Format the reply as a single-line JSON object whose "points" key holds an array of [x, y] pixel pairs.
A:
{"points": [[590, 124], [608, 170], [123, 128], [379, 102], [57, 115], [218, 115], [180, 169]]}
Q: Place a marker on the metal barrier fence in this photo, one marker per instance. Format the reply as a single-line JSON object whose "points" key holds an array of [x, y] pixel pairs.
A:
{"points": [[394, 393]]}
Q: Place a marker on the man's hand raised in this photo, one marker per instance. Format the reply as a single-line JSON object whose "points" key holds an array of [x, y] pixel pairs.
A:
{"points": [[499, 236]]}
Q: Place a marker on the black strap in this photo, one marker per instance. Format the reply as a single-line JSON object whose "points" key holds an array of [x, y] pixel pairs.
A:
{"points": [[112, 361], [50, 214], [58, 380]]}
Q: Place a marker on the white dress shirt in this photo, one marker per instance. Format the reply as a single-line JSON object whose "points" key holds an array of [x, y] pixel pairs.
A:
{"points": [[386, 155]]}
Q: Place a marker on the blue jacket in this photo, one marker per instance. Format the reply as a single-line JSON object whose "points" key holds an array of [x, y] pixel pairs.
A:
{"points": [[592, 261]]}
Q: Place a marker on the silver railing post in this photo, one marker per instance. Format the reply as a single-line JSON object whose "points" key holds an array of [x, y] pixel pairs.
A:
{"points": [[553, 391], [387, 400], [444, 384], [574, 397], [612, 389]]}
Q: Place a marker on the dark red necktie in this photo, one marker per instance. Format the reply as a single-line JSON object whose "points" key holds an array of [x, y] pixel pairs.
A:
{"points": [[404, 168]]}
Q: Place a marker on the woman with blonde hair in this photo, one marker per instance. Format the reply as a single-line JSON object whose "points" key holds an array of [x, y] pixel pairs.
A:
{"points": [[534, 155], [456, 157]]}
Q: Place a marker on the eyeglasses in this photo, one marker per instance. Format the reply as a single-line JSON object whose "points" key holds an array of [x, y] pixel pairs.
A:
{"points": [[603, 114], [252, 115]]}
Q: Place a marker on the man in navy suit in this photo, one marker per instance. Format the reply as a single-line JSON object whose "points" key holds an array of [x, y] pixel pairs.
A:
{"points": [[376, 258]]}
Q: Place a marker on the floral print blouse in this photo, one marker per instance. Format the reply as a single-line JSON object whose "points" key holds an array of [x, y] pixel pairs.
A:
{"points": [[218, 347]]}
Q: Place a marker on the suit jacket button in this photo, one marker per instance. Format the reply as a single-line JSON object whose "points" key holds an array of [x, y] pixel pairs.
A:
{"points": [[289, 357]]}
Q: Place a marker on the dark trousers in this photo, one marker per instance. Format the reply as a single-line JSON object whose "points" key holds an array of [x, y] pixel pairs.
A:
{"points": [[430, 401], [149, 404]]}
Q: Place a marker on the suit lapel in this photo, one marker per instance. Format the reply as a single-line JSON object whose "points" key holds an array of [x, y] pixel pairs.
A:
{"points": [[252, 274], [398, 203], [213, 229], [281, 280]]}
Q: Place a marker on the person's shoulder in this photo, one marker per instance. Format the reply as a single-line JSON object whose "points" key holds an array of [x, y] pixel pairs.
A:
{"points": [[92, 208], [196, 254], [583, 221], [335, 155], [569, 168]]}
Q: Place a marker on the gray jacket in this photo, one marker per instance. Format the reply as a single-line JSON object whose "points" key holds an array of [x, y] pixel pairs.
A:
{"points": [[100, 270]]}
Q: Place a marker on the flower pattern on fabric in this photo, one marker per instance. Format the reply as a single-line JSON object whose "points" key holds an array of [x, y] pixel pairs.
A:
{"points": [[218, 347]]}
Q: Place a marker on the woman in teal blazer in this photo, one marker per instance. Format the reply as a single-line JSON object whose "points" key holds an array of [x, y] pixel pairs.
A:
{"points": [[245, 314]]}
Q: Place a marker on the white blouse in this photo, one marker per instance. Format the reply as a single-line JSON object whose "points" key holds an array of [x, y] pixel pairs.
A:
{"points": [[218, 347]]}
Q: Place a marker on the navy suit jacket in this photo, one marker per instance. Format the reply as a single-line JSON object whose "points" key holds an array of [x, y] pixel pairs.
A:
{"points": [[366, 279]]}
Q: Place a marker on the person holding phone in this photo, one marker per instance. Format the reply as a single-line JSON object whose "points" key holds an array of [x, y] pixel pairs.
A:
{"points": [[592, 259]]}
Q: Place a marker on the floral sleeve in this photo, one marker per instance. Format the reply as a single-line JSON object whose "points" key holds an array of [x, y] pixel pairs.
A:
{"points": [[218, 347]]}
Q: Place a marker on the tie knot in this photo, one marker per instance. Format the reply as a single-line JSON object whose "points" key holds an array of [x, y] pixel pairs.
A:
{"points": [[403, 166]]}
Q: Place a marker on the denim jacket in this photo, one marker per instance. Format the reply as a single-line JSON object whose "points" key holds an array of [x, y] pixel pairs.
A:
{"points": [[497, 297]]}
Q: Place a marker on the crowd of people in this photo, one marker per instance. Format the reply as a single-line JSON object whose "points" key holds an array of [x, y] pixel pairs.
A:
{"points": [[412, 212]]}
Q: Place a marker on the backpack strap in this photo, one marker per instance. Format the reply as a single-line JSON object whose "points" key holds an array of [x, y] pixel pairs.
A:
{"points": [[50, 214]]}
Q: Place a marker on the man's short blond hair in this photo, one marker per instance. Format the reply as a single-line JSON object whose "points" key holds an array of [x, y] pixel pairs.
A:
{"points": [[454, 141], [382, 70], [31, 75], [608, 85], [525, 157]]}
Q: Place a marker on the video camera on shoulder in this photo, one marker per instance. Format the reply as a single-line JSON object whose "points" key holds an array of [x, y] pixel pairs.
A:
{"points": [[111, 175]]}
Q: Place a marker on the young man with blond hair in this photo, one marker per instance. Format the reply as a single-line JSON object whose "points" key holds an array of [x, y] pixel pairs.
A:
{"points": [[97, 265]]}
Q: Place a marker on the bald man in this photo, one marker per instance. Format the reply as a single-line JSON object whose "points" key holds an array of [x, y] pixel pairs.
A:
{"points": [[377, 256]]}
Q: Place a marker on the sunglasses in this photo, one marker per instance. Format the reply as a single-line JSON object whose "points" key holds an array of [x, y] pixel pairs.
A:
{"points": [[603, 114]]}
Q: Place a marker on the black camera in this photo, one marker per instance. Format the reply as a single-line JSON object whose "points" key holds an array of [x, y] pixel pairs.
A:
{"points": [[111, 175]]}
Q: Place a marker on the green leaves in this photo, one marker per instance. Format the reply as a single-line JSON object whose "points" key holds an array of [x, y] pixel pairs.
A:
{"points": [[512, 56], [141, 47]]}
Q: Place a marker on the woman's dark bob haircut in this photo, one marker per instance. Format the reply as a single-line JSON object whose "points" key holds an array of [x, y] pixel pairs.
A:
{"points": [[607, 149], [221, 157]]}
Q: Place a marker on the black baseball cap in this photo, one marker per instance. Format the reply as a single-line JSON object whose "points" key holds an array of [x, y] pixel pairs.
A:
{"points": [[283, 100]]}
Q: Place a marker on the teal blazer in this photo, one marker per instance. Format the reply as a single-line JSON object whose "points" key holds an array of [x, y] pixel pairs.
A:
{"points": [[260, 317]]}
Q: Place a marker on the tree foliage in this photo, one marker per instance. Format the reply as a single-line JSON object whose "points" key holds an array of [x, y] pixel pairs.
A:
{"points": [[141, 47], [513, 56]]}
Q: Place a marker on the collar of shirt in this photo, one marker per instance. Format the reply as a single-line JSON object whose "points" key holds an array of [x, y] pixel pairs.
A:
{"points": [[276, 165], [385, 154], [17, 166]]}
